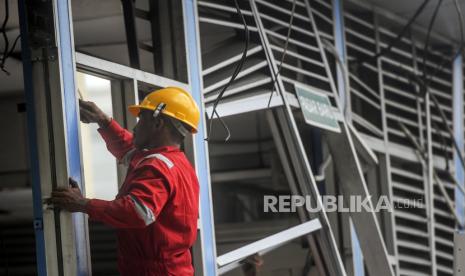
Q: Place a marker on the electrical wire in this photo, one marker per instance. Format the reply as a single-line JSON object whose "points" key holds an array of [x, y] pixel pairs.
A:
{"points": [[428, 35], [5, 37], [398, 37], [233, 77], [426, 81], [423, 158], [286, 43]]}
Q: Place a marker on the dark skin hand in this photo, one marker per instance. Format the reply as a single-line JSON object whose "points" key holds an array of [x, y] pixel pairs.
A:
{"points": [[69, 199], [91, 113]]}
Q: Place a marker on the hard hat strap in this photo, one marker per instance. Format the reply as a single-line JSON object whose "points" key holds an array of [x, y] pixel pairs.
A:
{"points": [[179, 126], [157, 110]]}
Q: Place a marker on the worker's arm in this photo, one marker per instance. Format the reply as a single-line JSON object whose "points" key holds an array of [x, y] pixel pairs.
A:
{"points": [[147, 196], [118, 139]]}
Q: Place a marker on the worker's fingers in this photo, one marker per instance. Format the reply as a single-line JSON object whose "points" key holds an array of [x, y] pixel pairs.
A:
{"points": [[87, 105], [85, 119], [73, 183], [87, 115], [87, 112], [84, 114]]}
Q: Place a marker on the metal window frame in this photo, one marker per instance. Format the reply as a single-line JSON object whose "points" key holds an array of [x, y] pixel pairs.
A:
{"points": [[199, 145]]}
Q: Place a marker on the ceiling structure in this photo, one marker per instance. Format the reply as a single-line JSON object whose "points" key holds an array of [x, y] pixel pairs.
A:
{"points": [[99, 30]]}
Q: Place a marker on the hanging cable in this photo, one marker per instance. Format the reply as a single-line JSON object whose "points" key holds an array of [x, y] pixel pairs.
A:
{"points": [[424, 84], [233, 77], [396, 40], [283, 55], [428, 34], [5, 37]]}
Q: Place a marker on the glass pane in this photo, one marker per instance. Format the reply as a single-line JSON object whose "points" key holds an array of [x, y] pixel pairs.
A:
{"points": [[100, 171]]}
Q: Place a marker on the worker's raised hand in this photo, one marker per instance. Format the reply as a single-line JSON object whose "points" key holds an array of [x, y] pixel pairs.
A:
{"points": [[69, 199], [91, 113]]}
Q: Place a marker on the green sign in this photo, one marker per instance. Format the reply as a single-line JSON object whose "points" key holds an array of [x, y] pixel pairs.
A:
{"points": [[316, 108]]}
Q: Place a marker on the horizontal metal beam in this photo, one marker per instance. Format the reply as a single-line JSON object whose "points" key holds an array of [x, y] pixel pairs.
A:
{"points": [[217, 177], [115, 70], [270, 242]]}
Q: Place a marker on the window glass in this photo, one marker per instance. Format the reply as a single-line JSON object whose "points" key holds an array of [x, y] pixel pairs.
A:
{"points": [[100, 169]]}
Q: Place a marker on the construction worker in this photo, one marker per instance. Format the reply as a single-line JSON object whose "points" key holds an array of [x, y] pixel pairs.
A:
{"points": [[155, 212]]}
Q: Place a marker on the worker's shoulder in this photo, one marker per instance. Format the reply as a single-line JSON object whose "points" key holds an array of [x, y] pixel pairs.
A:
{"points": [[168, 161]]}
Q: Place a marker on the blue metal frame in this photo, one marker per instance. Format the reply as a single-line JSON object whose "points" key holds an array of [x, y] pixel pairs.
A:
{"points": [[201, 156], [339, 40], [68, 71], [458, 133], [32, 142]]}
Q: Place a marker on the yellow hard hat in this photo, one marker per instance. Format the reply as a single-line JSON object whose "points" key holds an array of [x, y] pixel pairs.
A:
{"points": [[173, 102]]}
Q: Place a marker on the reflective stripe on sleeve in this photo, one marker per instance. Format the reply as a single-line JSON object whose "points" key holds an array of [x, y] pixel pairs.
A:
{"points": [[143, 211]]}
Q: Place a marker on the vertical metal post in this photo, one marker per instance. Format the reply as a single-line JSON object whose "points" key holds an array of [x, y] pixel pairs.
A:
{"points": [[32, 142], [344, 101], [65, 43], [340, 44], [387, 164], [359, 269], [49, 80], [207, 231], [429, 190], [458, 133]]}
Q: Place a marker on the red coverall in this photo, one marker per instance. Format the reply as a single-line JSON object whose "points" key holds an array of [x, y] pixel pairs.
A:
{"points": [[155, 211]]}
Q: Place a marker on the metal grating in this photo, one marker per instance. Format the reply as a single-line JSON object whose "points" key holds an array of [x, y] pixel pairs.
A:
{"points": [[303, 62], [411, 223], [364, 85], [401, 100], [222, 44]]}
